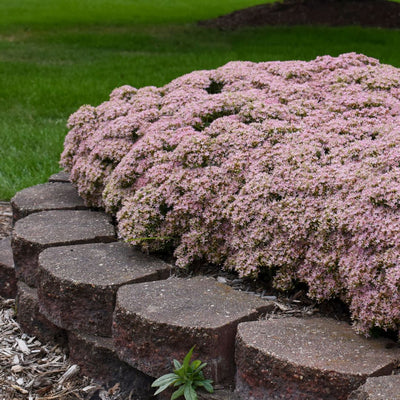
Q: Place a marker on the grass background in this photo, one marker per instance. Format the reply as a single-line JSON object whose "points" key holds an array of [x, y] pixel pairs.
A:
{"points": [[57, 55]]}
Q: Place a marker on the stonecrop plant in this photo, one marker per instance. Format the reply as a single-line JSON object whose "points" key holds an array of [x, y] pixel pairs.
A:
{"points": [[291, 167], [187, 377]]}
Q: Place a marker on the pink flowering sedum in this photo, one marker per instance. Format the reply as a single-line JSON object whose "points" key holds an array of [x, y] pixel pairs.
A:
{"points": [[292, 167]]}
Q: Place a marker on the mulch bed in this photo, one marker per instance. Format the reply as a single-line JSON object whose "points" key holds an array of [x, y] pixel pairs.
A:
{"points": [[31, 370], [367, 13]]}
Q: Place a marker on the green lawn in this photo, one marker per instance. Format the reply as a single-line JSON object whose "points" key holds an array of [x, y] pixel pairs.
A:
{"points": [[58, 55]]}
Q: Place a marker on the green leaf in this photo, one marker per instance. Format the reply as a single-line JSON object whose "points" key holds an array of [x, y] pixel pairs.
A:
{"points": [[207, 385], [165, 379], [200, 367], [189, 392], [161, 389], [187, 358], [179, 382], [195, 364], [178, 393], [200, 376], [177, 364], [180, 372]]}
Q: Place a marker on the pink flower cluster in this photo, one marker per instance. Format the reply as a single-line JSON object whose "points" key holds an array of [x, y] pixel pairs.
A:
{"points": [[287, 167]]}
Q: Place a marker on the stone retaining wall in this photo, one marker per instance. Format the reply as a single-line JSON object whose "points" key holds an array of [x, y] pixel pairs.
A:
{"points": [[124, 315]]}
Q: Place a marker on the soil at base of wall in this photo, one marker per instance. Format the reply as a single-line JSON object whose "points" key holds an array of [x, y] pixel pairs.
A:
{"points": [[366, 13]]}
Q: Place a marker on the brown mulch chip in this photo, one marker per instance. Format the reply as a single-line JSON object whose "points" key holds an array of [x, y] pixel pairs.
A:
{"points": [[367, 13], [31, 370]]}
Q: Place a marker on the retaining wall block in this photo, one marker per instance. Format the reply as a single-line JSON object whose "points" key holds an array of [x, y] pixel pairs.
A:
{"points": [[97, 358], [45, 197], [32, 321], [61, 176], [307, 359], [38, 231], [157, 322], [78, 284], [219, 395], [8, 280], [379, 388]]}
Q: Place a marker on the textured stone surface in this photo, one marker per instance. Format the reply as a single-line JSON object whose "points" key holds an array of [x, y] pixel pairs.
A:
{"points": [[219, 395], [32, 321], [44, 197], [8, 281], [97, 358], [307, 359], [379, 388], [61, 176], [158, 321], [78, 284], [39, 231]]}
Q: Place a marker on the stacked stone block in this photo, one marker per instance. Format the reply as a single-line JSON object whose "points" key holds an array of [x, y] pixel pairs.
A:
{"points": [[168, 317], [378, 388], [55, 195], [47, 229], [78, 284], [8, 280], [124, 317], [307, 359]]}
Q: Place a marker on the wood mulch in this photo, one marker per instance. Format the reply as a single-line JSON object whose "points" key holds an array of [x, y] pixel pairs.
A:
{"points": [[366, 13], [31, 370]]}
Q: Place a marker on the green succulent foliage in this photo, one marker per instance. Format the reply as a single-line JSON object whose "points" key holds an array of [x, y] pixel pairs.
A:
{"points": [[187, 377]]}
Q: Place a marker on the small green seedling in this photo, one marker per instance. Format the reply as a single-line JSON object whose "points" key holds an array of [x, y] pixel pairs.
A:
{"points": [[188, 377]]}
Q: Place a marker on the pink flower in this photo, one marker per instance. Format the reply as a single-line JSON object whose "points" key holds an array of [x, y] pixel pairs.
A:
{"points": [[291, 167]]}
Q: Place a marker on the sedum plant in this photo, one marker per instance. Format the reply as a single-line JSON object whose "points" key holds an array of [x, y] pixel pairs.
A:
{"points": [[187, 377], [290, 169]]}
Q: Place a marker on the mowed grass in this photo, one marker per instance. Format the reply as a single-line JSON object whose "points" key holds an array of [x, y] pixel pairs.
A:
{"points": [[56, 56]]}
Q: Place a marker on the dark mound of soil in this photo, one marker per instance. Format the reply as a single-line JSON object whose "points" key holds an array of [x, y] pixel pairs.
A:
{"points": [[371, 13]]}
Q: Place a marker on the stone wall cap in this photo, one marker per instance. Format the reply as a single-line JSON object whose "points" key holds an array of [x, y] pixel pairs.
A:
{"points": [[46, 196], [101, 264], [61, 176], [192, 302], [378, 388], [323, 344], [65, 226]]}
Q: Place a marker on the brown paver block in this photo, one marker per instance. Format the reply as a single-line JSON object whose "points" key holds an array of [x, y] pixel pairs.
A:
{"points": [[218, 395], [307, 359], [8, 280], [39, 231], [97, 358], [78, 284], [158, 321], [32, 321], [45, 197], [61, 176], [379, 388]]}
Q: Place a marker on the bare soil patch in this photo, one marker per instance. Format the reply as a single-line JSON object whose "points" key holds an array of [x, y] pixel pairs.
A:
{"points": [[366, 13]]}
